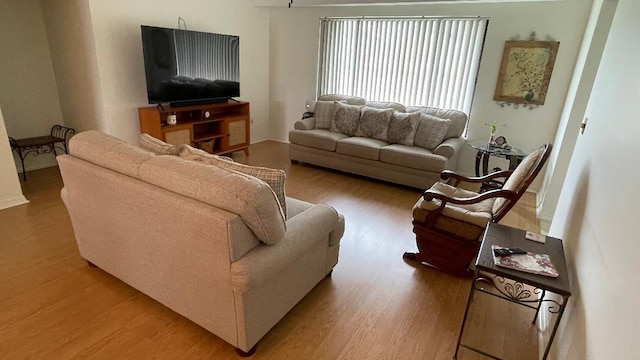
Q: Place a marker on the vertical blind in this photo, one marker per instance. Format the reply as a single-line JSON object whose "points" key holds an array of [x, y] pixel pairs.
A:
{"points": [[413, 61]]}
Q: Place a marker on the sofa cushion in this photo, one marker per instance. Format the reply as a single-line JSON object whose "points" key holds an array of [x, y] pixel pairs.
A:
{"points": [[318, 138], [157, 146], [385, 105], [458, 118], [402, 128], [275, 178], [351, 100], [431, 131], [366, 148], [345, 119], [374, 123], [248, 197], [107, 151], [412, 157], [325, 111]]}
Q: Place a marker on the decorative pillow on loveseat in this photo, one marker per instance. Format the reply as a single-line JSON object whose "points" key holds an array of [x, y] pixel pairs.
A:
{"points": [[402, 128], [157, 146], [275, 178], [431, 131], [374, 123], [324, 111], [346, 119]]}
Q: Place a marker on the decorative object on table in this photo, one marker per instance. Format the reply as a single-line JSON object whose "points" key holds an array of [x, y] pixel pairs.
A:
{"points": [[172, 119], [309, 109], [525, 72], [539, 264], [493, 127], [500, 141]]}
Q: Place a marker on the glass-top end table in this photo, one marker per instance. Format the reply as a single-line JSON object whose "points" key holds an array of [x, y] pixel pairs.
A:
{"points": [[495, 150], [485, 151]]}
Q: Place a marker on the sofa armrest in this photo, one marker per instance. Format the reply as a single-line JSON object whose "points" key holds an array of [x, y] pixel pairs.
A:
{"points": [[305, 124], [265, 261], [449, 147]]}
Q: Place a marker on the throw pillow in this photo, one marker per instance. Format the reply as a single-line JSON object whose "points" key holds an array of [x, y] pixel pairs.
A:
{"points": [[324, 114], [157, 146], [275, 178], [431, 131], [403, 127], [346, 119], [374, 123]]}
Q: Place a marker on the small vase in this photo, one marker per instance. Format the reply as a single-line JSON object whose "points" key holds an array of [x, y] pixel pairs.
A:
{"points": [[491, 141]]}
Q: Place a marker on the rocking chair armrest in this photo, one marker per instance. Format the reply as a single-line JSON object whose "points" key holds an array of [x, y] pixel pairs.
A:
{"points": [[497, 193], [448, 174]]}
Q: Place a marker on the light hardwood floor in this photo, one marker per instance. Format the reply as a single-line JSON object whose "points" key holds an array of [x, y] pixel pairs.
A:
{"points": [[376, 306]]}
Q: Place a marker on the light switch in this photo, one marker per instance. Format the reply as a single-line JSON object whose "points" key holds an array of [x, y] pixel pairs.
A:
{"points": [[583, 125]]}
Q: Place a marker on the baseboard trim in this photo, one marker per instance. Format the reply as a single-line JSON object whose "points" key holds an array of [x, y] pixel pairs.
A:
{"points": [[11, 202]]}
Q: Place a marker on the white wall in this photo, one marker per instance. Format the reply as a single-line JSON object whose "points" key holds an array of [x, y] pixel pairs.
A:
{"points": [[597, 211], [294, 44], [28, 93], [118, 49], [70, 34], [10, 191], [575, 106]]}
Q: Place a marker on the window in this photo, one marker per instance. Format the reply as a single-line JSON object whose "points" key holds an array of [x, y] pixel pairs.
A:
{"points": [[413, 61]]}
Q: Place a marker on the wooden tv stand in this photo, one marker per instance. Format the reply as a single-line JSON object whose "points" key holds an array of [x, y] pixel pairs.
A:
{"points": [[224, 130]]}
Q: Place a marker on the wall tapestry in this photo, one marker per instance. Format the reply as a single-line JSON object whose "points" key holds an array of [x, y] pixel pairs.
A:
{"points": [[525, 71]]}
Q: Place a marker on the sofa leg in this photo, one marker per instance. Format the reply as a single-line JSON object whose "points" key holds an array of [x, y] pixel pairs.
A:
{"points": [[247, 353], [294, 162], [91, 264], [328, 276]]}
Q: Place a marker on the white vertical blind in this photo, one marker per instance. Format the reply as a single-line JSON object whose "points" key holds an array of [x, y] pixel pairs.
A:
{"points": [[413, 61]]}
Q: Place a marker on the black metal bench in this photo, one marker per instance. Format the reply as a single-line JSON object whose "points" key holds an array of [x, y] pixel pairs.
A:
{"points": [[41, 144]]}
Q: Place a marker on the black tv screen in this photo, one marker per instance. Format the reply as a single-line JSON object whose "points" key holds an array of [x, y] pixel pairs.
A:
{"points": [[185, 67]]}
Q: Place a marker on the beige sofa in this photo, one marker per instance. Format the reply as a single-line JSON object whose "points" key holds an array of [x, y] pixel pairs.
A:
{"points": [[395, 159], [194, 236]]}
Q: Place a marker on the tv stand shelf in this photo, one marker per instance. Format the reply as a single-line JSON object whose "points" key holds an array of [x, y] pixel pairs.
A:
{"points": [[217, 128]]}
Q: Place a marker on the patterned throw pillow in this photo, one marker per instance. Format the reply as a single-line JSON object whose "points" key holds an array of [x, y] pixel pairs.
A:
{"points": [[157, 146], [374, 123], [324, 114], [346, 119], [275, 178], [431, 131], [403, 127]]}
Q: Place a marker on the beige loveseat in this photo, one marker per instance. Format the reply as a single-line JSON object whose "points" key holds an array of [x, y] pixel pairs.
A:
{"points": [[194, 236], [406, 145]]}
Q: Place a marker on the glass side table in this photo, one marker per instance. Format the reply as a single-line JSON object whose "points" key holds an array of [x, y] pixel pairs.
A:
{"points": [[485, 151]]}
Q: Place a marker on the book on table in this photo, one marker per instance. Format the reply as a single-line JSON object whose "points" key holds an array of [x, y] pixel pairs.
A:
{"points": [[530, 262]]}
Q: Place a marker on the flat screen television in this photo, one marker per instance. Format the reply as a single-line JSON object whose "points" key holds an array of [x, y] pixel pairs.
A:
{"points": [[185, 67]]}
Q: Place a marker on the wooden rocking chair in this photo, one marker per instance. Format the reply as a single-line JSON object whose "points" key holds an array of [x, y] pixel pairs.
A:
{"points": [[449, 221]]}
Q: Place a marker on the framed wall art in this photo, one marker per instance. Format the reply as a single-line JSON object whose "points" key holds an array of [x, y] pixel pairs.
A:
{"points": [[525, 71]]}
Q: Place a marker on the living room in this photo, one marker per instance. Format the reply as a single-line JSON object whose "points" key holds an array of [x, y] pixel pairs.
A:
{"points": [[94, 79]]}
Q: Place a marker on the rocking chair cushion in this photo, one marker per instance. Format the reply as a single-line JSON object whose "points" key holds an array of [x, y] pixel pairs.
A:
{"points": [[516, 180], [478, 214]]}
